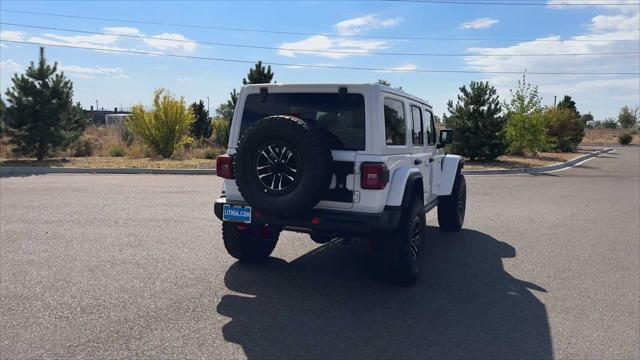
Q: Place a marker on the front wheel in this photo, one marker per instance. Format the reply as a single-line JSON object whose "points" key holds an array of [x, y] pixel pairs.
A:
{"points": [[452, 208], [249, 243]]}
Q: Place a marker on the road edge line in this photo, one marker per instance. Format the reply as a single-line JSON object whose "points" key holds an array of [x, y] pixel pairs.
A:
{"points": [[542, 169]]}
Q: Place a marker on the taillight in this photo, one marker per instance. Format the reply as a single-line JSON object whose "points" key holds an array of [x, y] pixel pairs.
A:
{"points": [[373, 175], [224, 166]]}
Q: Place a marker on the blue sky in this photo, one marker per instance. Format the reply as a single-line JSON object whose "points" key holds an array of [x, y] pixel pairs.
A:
{"points": [[117, 80]]}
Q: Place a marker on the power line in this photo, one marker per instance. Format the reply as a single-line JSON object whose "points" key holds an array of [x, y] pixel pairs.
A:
{"points": [[222, 28], [316, 51], [336, 67]]}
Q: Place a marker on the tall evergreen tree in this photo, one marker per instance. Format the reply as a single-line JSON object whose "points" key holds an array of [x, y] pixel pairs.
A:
{"points": [[568, 103], [201, 127], [477, 122], [225, 110], [258, 75], [3, 113], [41, 117]]}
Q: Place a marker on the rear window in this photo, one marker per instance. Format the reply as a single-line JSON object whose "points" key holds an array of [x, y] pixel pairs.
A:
{"points": [[340, 117], [394, 122]]}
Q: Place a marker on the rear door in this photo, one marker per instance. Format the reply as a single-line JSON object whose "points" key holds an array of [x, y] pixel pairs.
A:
{"points": [[430, 149], [420, 152]]}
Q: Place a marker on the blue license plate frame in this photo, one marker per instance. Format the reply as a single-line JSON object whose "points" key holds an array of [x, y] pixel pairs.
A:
{"points": [[236, 213]]}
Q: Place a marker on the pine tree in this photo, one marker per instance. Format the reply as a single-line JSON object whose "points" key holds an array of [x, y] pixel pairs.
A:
{"points": [[477, 122], [3, 113], [568, 103], [225, 110], [41, 117], [258, 75], [201, 127]]}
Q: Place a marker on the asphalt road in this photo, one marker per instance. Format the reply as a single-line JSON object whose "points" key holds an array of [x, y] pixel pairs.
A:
{"points": [[121, 266]]}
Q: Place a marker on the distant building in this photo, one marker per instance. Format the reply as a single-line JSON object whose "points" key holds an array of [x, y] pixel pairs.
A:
{"points": [[106, 117]]}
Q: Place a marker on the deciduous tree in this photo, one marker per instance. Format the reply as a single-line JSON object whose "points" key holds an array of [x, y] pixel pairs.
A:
{"points": [[525, 121], [627, 117], [165, 126]]}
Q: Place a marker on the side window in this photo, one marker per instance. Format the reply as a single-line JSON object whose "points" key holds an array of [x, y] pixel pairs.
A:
{"points": [[430, 128], [395, 124], [417, 133]]}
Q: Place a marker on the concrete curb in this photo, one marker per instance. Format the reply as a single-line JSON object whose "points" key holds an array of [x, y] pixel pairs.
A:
{"points": [[538, 170], [37, 170]]}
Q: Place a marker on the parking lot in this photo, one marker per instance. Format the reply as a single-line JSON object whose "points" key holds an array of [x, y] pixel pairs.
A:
{"points": [[115, 266]]}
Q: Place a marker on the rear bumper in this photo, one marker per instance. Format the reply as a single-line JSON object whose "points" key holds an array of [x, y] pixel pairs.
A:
{"points": [[326, 220]]}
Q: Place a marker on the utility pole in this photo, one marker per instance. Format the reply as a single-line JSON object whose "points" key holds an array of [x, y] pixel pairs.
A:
{"points": [[554, 100], [207, 104]]}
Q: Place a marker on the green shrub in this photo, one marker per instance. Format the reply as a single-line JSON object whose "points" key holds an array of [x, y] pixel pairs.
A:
{"points": [[116, 151], [565, 129], [625, 138], [165, 127], [525, 130], [126, 135], [221, 130], [83, 147]]}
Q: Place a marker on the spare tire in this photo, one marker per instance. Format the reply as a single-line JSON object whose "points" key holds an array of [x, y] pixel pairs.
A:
{"points": [[282, 165]]}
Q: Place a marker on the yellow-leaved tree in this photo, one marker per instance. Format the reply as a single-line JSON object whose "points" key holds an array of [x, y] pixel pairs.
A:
{"points": [[166, 126]]}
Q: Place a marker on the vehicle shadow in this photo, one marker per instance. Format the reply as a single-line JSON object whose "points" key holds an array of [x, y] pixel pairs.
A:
{"points": [[324, 305]]}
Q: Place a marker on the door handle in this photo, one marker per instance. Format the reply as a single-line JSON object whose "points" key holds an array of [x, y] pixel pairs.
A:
{"points": [[431, 160], [417, 161]]}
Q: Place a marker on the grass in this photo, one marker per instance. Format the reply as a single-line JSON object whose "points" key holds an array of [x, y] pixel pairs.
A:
{"points": [[503, 162], [606, 136], [113, 162]]}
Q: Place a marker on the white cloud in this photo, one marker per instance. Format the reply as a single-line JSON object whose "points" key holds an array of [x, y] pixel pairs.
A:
{"points": [[85, 42], [480, 23], [12, 35], [567, 4], [602, 23], [183, 79], [9, 67], [602, 28], [84, 39], [122, 30], [339, 48], [369, 22], [401, 68], [91, 72], [330, 47], [175, 42]]}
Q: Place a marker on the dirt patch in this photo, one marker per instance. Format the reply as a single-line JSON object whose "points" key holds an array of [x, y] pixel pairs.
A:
{"points": [[519, 162], [114, 162]]}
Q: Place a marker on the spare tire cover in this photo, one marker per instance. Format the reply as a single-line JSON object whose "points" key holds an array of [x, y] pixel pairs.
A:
{"points": [[282, 165]]}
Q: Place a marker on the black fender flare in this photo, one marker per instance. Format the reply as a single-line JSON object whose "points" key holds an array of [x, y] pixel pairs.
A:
{"points": [[412, 179]]}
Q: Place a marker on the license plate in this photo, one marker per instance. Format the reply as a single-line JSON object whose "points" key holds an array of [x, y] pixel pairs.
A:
{"points": [[236, 213]]}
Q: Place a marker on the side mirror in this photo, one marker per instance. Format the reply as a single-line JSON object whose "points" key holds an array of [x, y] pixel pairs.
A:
{"points": [[446, 137]]}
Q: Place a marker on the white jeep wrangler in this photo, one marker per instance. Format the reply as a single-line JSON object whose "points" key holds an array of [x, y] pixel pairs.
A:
{"points": [[337, 161]]}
